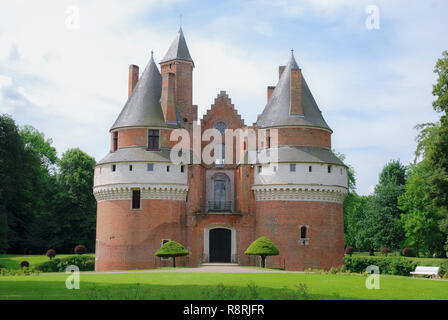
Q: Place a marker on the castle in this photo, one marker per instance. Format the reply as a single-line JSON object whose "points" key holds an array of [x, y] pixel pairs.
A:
{"points": [[217, 209]]}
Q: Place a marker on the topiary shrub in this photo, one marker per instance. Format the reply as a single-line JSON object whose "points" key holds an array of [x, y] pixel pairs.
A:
{"points": [[80, 249], [51, 253], [371, 251], [385, 251], [24, 264], [407, 252], [349, 250], [172, 249], [262, 247]]}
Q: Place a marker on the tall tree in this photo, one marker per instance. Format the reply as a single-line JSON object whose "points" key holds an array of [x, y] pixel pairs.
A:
{"points": [[75, 205], [381, 227], [11, 154]]}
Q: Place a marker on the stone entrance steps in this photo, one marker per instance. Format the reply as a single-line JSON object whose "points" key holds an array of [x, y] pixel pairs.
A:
{"points": [[219, 264]]}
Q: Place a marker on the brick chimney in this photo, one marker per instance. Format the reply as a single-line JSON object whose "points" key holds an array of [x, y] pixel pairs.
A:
{"points": [[280, 71], [296, 107], [270, 91], [133, 78], [168, 97]]}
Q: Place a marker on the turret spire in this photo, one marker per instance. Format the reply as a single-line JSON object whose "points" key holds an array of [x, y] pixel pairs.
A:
{"points": [[178, 49]]}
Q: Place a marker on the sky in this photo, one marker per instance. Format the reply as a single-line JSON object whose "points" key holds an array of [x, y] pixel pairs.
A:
{"points": [[64, 65]]}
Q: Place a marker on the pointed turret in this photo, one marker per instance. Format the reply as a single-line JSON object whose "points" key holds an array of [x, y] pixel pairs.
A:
{"points": [[143, 106], [178, 50], [291, 103]]}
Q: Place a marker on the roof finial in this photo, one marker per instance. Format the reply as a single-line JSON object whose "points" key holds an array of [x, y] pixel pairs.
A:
{"points": [[180, 21], [292, 51], [152, 53]]}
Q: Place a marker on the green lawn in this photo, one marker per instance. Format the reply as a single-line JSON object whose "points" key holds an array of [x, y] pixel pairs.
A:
{"points": [[198, 285], [12, 261]]}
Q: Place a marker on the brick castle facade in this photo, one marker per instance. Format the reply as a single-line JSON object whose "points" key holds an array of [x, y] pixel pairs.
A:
{"points": [[216, 210]]}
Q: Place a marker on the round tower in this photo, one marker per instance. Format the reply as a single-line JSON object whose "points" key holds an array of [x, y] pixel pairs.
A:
{"points": [[141, 194], [299, 196]]}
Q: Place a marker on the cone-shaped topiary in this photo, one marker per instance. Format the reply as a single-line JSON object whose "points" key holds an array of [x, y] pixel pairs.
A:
{"points": [[172, 249], [262, 247]]}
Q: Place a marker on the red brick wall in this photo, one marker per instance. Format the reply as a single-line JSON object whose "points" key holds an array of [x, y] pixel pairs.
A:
{"points": [[326, 234], [183, 86], [128, 239], [304, 137], [132, 137]]}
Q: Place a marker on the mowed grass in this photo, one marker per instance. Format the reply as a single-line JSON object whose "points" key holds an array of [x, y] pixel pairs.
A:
{"points": [[12, 261], [198, 285]]}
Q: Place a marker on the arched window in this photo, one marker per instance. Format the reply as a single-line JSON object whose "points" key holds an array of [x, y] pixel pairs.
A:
{"points": [[221, 127]]}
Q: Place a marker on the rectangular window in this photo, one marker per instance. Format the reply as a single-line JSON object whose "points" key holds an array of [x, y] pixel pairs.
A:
{"points": [[292, 167], [167, 168], [115, 141], [135, 199], [259, 169], [150, 167], [182, 168], [153, 139], [329, 169], [275, 168], [114, 167], [130, 167], [310, 169]]}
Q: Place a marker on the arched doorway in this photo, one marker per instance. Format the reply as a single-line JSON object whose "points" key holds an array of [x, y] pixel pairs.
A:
{"points": [[220, 245]]}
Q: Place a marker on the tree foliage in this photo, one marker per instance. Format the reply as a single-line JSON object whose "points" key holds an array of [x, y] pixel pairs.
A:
{"points": [[172, 249], [262, 247]]}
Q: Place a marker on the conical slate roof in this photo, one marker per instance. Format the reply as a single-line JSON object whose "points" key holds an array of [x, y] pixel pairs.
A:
{"points": [[143, 107], [178, 49], [277, 110]]}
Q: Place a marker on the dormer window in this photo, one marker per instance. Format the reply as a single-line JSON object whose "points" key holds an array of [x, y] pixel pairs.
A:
{"points": [[153, 139]]}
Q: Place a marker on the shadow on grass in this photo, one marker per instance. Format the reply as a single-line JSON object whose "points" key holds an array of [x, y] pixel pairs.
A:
{"points": [[52, 290]]}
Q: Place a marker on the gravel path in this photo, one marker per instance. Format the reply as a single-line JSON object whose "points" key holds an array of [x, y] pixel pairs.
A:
{"points": [[206, 268]]}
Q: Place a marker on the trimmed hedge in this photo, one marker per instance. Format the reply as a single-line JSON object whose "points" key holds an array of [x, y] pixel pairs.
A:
{"points": [[84, 263], [399, 266]]}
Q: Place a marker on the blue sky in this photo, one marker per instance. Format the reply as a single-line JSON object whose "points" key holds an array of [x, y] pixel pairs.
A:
{"points": [[372, 86]]}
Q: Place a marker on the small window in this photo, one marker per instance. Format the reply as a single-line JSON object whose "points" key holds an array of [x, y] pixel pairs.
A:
{"points": [[303, 232], [115, 140], [259, 169], [292, 167], [341, 170], [310, 168], [167, 168], [269, 142], [135, 199], [153, 139], [130, 167], [114, 167], [150, 167], [329, 169], [182, 168], [275, 168]]}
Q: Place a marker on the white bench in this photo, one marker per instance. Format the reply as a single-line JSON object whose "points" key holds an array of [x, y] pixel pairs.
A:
{"points": [[427, 271]]}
